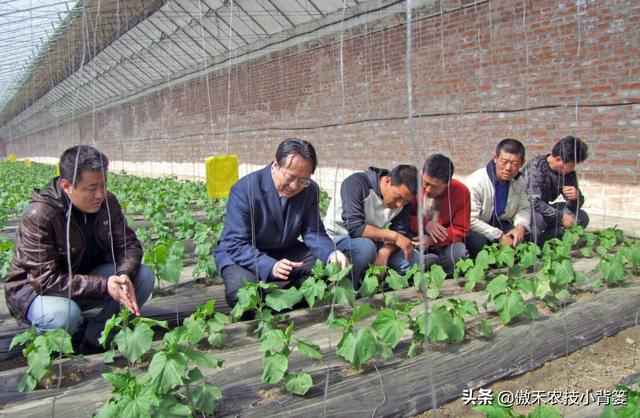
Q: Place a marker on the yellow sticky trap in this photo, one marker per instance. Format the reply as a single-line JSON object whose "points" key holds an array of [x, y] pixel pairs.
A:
{"points": [[58, 168], [27, 162], [12, 157], [222, 173]]}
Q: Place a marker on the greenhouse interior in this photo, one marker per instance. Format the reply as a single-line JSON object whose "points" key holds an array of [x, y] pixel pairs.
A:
{"points": [[320, 208]]}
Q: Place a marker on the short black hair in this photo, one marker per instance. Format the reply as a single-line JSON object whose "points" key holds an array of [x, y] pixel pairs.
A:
{"points": [[571, 150], [511, 146], [438, 166], [405, 175], [296, 146], [88, 159]]}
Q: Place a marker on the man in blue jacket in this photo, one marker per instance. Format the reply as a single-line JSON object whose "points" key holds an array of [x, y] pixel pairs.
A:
{"points": [[266, 213]]}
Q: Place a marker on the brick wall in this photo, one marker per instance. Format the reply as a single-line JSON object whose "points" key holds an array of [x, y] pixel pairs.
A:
{"points": [[537, 74]]}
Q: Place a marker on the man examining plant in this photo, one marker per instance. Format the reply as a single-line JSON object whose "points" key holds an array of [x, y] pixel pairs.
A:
{"points": [[266, 213], [358, 217], [549, 176], [446, 211], [75, 252], [500, 209]]}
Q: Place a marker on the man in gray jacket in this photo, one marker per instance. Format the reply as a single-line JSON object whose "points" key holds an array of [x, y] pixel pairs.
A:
{"points": [[500, 209], [549, 176], [369, 219]]}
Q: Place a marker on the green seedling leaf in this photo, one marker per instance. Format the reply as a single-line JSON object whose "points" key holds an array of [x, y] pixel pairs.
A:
{"points": [[218, 322], [309, 349], [313, 290], [299, 383], [497, 286], [506, 256], [343, 292], [442, 326], [632, 254], [27, 383], [280, 299], [562, 295], [484, 259], [613, 271], [217, 339], [369, 286], [543, 286], [360, 312], [464, 307], [525, 285], [485, 329], [274, 367], [170, 408], [194, 375], [396, 281], [317, 270], [166, 370], [108, 356], [195, 329], [562, 273], [357, 348], [474, 275], [203, 359], [39, 361], [509, 306], [334, 273], [111, 323], [273, 340], [388, 327], [248, 298], [462, 266], [138, 406], [133, 344], [206, 397], [23, 338]]}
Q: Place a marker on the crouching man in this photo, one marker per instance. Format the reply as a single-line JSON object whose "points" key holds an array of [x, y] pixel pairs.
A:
{"points": [[74, 251]]}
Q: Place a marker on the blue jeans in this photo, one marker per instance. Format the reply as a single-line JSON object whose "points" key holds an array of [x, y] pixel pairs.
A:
{"points": [[363, 251], [51, 312]]}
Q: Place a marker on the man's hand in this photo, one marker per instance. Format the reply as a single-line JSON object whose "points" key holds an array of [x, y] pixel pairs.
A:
{"points": [[570, 193], [567, 220], [404, 244], [338, 257], [382, 258], [282, 268], [436, 231], [516, 236], [121, 289], [506, 239]]}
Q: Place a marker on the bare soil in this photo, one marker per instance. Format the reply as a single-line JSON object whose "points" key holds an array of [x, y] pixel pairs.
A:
{"points": [[597, 367]]}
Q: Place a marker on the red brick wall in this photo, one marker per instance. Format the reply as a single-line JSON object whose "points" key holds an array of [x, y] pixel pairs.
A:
{"points": [[536, 74]]}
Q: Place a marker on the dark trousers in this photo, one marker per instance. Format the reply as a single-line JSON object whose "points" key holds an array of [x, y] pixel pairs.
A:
{"points": [[235, 276], [475, 241], [448, 256], [544, 228]]}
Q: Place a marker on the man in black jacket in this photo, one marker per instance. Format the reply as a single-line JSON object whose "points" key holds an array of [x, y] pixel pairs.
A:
{"points": [[549, 176], [74, 252]]}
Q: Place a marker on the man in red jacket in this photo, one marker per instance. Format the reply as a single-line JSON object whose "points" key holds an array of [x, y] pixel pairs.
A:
{"points": [[446, 206]]}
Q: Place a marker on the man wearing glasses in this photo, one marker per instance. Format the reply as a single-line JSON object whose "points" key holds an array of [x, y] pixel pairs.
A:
{"points": [[500, 209], [266, 213]]}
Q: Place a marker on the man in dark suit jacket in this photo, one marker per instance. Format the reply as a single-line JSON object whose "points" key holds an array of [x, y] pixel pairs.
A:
{"points": [[266, 213]]}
